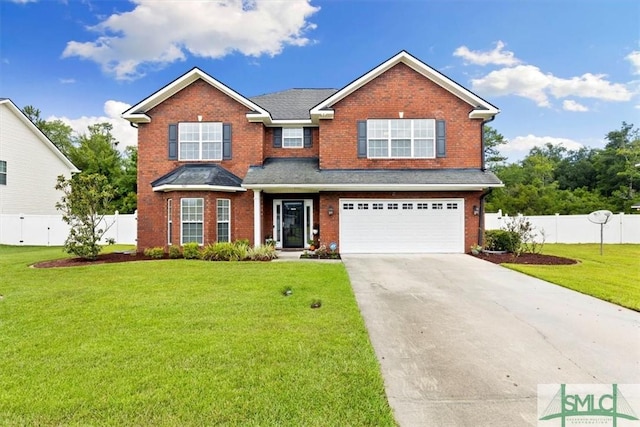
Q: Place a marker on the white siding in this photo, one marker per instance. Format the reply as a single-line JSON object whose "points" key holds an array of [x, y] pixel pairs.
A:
{"points": [[32, 166]]}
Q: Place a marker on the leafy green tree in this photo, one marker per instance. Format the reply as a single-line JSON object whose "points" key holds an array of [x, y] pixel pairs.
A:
{"points": [[84, 204], [57, 131], [127, 183], [492, 142]]}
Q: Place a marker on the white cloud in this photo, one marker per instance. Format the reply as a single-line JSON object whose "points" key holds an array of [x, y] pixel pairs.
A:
{"points": [[590, 86], [571, 105], [67, 81], [23, 1], [122, 130], [156, 33], [530, 82], [497, 56], [526, 143], [634, 59], [523, 80]]}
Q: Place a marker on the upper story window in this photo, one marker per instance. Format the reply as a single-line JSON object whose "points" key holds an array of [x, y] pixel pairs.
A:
{"points": [[3, 172], [401, 138], [200, 141], [292, 138]]}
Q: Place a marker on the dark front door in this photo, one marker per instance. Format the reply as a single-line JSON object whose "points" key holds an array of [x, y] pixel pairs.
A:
{"points": [[293, 221]]}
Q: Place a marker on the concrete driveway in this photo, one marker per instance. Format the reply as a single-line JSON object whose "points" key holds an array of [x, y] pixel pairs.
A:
{"points": [[463, 342]]}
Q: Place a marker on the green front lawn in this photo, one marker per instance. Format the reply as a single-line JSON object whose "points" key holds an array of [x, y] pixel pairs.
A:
{"points": [[179, 343], [613, 276]]}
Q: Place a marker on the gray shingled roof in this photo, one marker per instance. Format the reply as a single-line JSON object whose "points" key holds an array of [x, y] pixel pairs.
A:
{"points": [[292, 104], [306, 171], [199, 174]]}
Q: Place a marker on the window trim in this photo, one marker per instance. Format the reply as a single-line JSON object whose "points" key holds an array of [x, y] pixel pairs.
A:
{"points": [[3, 172], [200, 141], [431, 141], [183, 222], [286, 137], [227, 221]]}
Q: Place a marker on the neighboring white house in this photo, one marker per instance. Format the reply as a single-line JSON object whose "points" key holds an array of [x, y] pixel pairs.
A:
{"points": [[29, 165]]}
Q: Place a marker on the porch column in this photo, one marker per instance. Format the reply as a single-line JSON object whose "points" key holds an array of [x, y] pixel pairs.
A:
{"points": [[257, 220]]}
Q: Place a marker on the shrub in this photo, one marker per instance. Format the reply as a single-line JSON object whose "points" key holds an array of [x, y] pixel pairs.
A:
{"points": [[502, 240], [191, 250], [174, 252], [526, 232], [226, 251], [155, 253], [263, 253]]}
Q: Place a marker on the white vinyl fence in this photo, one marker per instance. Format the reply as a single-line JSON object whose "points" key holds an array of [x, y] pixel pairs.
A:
{"points": [[50, 230], [621, 228]]}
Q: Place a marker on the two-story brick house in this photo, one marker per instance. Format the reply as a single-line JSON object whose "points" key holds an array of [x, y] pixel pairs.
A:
{"points": [[392, 162]]}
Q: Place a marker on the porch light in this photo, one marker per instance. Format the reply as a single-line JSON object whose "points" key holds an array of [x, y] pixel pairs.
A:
{"points": [[476, 210], [330, 211]]}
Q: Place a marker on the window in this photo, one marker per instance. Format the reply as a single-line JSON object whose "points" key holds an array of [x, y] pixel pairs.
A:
{"points": [[224, 215], [347, 206], [407, 206], [192, 220], [392, 206], [436, 206], [401, 138], [292, 138], [452, 206], [169, 221], [377, 206], [200, 141], [423, 205], [362, 206], [3, 172]]}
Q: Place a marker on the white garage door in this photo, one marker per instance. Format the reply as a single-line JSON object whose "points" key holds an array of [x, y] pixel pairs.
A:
{"points": [[401, 226]]}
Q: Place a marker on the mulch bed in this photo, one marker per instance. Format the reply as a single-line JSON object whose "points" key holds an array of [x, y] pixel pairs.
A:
{"points": [[102, 259], [536, 259]]}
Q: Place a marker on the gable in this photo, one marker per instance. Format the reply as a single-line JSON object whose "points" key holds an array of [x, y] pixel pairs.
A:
{"points": [[138, 113], [13, 120], [479, 108]]}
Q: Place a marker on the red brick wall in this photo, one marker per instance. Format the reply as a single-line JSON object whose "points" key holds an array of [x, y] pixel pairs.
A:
{"points": [[202, 99], [270, 151], [330, 225], [400, 89]]}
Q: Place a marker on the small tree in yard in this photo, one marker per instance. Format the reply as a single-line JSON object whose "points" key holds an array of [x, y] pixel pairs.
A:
{"points": [[84, 205]]}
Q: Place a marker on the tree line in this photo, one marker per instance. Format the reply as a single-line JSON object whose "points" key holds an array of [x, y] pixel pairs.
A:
{"points": [[552, 179], [95, 152]]}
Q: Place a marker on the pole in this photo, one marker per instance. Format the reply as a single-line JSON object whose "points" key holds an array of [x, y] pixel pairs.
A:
{"points": [[601, 237]]}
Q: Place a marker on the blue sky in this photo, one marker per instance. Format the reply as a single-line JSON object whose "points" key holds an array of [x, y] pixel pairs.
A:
{"points": [[561, 71]]}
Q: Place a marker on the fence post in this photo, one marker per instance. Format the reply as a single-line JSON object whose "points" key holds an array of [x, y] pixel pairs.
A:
{"points": [[621, 219], [557, 220]]}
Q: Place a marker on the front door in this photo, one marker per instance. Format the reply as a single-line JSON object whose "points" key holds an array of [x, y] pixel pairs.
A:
{"points": [[293, 224]]}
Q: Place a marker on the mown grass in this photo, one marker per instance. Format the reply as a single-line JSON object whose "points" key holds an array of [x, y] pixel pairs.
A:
{"points": [[613, 276], [183, 343]]}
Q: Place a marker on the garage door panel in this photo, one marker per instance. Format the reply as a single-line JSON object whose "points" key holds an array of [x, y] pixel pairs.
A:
{"points": [[371, 226]]}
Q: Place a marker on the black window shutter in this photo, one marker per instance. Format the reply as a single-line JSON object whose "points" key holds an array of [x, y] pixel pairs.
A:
{"points": [[308, 138], [362, 138], [277, 137], [441, 139], [226, 141], [173, 142]]}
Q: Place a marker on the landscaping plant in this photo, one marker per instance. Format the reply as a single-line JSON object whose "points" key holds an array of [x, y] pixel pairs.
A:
{"points": [[84, 204]]}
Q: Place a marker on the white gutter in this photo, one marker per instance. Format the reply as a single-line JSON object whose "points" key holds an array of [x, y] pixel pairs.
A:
{"points": [[184, 187], [314, 188]]}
